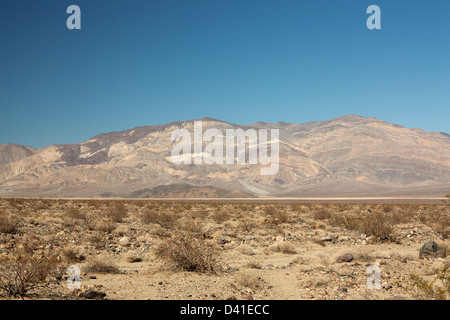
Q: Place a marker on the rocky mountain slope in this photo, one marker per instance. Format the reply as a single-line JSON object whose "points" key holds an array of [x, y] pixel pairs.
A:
{"points": [[346, 156]]}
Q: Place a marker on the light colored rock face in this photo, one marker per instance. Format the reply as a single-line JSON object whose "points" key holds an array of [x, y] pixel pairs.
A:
{"points": [[347, 156]]}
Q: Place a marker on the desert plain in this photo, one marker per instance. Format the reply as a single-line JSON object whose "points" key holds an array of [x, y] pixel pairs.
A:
{"points": [[247, 249]]}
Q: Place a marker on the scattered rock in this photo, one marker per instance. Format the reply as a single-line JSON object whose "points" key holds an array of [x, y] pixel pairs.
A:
{"points": [[332, 238], [93, 294], [428, 249], [133, 259], [225, 239], [124, 241], [347, 257]]}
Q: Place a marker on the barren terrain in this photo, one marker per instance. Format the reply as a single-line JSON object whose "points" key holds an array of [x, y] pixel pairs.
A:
{"points": [[229, 249], [349, 156]]}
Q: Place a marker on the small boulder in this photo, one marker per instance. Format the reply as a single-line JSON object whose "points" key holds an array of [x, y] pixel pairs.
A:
{"points": [[124, 241], [428, 249], [225, 239], [347, 257]]}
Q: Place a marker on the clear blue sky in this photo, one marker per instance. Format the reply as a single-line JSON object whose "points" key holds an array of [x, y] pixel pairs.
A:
{"points": [[146, 62]]}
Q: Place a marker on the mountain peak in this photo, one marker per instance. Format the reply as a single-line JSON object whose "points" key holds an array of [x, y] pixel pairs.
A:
{"points": [[351, 118]]}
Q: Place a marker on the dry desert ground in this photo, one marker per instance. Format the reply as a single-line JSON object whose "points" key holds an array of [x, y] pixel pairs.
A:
{"points": [[223, 250]]}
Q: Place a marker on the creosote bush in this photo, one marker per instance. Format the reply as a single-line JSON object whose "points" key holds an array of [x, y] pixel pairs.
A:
{"points": [[376, 224], [183, 251], [24, 270]]}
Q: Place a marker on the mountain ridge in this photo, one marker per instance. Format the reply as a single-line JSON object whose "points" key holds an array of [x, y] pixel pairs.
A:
{"points": [[346, 155]]}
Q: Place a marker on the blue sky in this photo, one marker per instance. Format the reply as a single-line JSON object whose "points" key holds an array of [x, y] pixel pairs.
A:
{"points": [[147, 62]]}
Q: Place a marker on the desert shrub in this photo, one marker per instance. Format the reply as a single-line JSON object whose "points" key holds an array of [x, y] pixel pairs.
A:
{"points": [[117, 212], [254, 265], [96, 240], [23, 271], [399, 217], [16, 203], [105, 225], [247, 225], [8, 223], [194, 228], [248, 281], [94, 203], [164, 219], [270, 210], [346, 220], [99, 222], [200, 214], [75, 213], [185, 252], [321, 214], [377, 225], [220, 217], [40, 205], [73, 254], [284, 247], [438, 219], [277, 217], [101, 265], [429, 290]]}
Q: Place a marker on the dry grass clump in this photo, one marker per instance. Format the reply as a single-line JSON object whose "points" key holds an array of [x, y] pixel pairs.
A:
{"points": [[164, 219], [220, 217], [438, 220], [96, 240], [117, 212], [276, 217], [104, 220], [321, 214], [247, 225], [194, 228], [348, 221], [254, 264], [23, 271], [378, 221], [75, 213], [9, 223], [99, 222], [73, 254], [374, 223], [284, 247], [183, 251], [248, 281], [102, 265]]}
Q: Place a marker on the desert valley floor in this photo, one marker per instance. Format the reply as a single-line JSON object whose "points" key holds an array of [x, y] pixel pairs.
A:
{"points": [[230, 249]]}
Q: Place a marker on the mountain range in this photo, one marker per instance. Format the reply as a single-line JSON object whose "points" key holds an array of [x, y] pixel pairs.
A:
{"points": [[349, 156]]}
